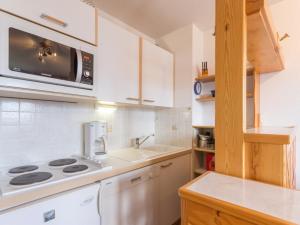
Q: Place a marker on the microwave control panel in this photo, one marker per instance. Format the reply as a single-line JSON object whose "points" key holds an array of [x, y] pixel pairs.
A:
{"points": [[87, 68]]}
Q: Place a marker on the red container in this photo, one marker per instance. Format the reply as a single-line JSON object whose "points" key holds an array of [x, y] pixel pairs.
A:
{"points": [[210, 162]]}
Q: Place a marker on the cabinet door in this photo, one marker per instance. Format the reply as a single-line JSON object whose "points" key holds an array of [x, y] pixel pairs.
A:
{"points": [[129, 199], [225, 219], [173, 174], [71, 17], [117, 64], [197, 214], [157, 76]]}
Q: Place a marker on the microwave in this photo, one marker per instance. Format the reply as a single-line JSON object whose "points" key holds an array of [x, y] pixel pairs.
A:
{"points": [[35, 55]]}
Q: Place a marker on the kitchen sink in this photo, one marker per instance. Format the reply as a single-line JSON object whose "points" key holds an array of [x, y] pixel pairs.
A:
{"points": [[133, 155]]}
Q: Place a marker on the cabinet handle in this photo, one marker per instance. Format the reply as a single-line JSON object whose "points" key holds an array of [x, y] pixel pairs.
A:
{"points": [[53, 20], [133, 99], [133, 180], [148, 100], [166, 166]]}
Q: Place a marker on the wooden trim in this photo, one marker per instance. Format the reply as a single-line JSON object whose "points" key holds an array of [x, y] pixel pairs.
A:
{"points": [[97, 28], [268, 138], [141, 43], [231, 48], [31, 21]]}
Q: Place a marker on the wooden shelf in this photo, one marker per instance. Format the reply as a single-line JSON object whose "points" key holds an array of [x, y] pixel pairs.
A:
{"points": [[200, 171], [205, 99], [250, 95], [263, 45], [203, 126], [204, 150], [206, 79], [211, 99], [212, 78]]}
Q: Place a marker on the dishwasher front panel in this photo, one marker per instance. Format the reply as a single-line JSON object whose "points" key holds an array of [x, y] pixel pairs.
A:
{"points": [[130, 199]]}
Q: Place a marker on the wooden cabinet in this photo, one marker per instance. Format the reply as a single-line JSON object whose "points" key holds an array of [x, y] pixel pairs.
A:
{"points": [[173, 174], [73, 18], [197, 214], [157, 76], [217, 199], [117, 64], [263, 47]]}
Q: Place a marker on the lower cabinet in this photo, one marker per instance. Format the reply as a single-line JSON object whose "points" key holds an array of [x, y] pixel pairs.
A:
{"points": [[147, 196], [173, 174]]}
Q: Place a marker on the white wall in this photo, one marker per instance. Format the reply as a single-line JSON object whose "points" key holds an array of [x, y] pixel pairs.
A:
{"points": [[280, 96], [204, 112], [32, 131]]}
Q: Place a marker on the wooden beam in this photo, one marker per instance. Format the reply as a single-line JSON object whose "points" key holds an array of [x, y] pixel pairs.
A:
{"points": [[231, 49]]}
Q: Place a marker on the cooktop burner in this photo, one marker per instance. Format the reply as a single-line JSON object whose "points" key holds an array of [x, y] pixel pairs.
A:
{"points": [[23, 169], [30, 178], [62, 162], [75, 168]]}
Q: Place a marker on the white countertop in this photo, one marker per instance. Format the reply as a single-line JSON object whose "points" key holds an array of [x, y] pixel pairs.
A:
{"points": [[120, 161], [268, 199]]}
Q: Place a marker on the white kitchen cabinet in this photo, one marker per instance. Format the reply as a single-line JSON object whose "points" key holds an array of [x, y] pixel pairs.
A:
{"points": [[174, 174], [130, 198], [74, 18], [117, 64], [157, 76]]}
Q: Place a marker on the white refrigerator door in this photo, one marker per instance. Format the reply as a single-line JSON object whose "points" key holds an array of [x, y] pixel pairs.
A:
{"points": [[78, 207], [129, 199]]}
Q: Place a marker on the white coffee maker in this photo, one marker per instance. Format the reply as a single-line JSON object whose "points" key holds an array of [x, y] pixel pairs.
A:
{"points": [[95, 140]]}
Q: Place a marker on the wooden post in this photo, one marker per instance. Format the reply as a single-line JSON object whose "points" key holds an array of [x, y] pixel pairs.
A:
{"points": [[231, 50]]}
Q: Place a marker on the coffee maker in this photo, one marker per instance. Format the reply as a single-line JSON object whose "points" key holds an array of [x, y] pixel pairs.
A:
{"points": [[95, 140]]}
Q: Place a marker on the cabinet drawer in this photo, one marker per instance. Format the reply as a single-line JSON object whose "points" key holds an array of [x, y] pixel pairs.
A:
{"points": [[79, 21], [197, 214]]}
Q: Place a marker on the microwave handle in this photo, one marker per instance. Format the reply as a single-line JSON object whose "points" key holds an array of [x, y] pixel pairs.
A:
{"points": [[79, 65]]}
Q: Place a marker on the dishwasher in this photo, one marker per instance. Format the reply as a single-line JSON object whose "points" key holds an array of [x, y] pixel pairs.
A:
{"points": [[130, 198]]}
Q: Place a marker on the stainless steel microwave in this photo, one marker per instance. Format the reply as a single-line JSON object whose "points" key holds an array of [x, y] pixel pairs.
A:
{"points": [[35, 58]]}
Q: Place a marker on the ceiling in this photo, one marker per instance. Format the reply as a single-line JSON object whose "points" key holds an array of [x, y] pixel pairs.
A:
{"points": [[159, 17]]}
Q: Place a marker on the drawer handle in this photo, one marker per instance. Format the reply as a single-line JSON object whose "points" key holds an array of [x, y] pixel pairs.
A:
{"points": [[53, 20], [132, 99], [133, 180], [148, 100], [166, 166]]}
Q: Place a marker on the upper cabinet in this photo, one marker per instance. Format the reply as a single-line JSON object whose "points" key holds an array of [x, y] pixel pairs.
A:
{"points": [[117, 64], [157, 76], [263, 43], [70, 17], [131, 70]]}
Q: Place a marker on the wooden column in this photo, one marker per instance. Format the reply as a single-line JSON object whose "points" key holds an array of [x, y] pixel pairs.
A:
{"points": [[231, 49]]}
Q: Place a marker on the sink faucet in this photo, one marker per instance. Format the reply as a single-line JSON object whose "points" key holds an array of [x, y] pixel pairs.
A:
{"points": [[139, 141]]}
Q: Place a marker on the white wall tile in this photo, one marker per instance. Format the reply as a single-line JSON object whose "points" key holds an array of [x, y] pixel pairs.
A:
{"points": [[33, 131]]}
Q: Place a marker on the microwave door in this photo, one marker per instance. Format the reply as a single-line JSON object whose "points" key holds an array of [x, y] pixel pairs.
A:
{"points": [[34, 55]]}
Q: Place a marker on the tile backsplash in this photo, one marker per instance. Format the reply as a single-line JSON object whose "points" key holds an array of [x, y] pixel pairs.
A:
{"points": [[32, 131], [174, 127]]}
